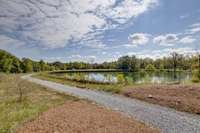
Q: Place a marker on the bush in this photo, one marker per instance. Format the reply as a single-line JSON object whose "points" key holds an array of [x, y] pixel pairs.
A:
{"points": [[120, 78], [150, 67], [196, 76], [195, 79]]}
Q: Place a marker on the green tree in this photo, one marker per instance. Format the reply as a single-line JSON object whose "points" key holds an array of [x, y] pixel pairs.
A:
{"points": [[134, 63], [6, 65], [176, 60], [28, 65], [124, 63], [16, 66], [42, 65]]}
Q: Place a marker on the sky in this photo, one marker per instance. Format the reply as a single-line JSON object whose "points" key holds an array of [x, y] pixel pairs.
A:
{"points": [[99, 30]]}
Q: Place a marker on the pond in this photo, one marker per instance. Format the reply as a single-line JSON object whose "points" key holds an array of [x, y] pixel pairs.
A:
{"points": [[129, 77]]}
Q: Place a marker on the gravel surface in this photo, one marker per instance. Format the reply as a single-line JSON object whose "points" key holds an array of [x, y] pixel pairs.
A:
{"points": [[166, 119]]}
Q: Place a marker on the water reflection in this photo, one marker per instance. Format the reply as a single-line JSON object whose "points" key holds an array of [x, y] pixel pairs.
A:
{"points": [[131, 77]]}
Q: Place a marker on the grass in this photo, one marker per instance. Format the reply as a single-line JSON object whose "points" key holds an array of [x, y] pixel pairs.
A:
{"points": [[113, 88], [34, 100]]}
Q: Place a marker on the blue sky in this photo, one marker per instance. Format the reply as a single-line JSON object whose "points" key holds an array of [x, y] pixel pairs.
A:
{"points": [[97, 31]]}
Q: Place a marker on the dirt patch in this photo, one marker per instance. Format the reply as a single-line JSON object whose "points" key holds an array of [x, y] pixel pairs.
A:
{"points": [[83, 117], [181, 97]]}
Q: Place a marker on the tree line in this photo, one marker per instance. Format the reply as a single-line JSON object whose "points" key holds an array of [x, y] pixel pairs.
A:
{"points": [[11, 64]]}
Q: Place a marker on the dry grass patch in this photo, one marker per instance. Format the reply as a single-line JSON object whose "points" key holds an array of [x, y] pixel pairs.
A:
{"points": [[21, 100]]}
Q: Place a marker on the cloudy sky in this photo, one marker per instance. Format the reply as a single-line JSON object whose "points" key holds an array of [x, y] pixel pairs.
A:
{"points": [[98, 30]]}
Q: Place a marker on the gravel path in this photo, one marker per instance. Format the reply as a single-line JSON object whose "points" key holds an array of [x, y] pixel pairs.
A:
{"points": [[168, 120]]}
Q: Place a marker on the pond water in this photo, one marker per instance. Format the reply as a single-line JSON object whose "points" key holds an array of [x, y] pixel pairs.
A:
{"points": [[129, 77]]}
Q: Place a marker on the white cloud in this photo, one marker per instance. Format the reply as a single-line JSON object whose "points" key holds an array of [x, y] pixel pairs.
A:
{"points": [[166, 40], [131, 8], [187, 40], [103, 53], [55, 23], [156, 54], [183, 50], [138, 39], [193, 29], [77, 57], [94, 43], [6, 42]]}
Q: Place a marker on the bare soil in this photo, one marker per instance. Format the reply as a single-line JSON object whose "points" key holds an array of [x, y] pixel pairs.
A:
{"points": [[181, 97], [83, 117]]}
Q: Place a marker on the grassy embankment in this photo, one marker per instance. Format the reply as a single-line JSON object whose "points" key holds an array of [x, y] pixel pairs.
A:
{"points": [[180, 97], [21, 101], [113, 88]]}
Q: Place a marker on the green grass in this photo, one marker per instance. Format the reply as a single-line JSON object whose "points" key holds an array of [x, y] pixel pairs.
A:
{"points": [[35, 99], [113, 88]]}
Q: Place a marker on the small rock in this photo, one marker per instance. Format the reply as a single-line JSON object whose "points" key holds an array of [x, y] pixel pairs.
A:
{"points": [[150, 96], [178, 101]]}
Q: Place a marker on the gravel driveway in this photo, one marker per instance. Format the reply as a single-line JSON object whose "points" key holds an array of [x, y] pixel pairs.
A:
{"points": [[168, 120]]}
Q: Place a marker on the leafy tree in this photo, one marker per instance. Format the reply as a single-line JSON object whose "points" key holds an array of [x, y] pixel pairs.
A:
{"points": [[16, 66], [7, 61], [124, 63], [42, 65], [36, 67], [133, 63], [27, 65], [176, 59], [161, 67], [6, 65]]}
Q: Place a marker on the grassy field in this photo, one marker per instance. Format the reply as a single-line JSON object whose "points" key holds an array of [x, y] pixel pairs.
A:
{"points": [[21, 101], [180, 97]]}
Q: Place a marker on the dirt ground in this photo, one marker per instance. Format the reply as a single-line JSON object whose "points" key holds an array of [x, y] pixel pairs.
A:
{"points": [[181, 97], [83, 117]]}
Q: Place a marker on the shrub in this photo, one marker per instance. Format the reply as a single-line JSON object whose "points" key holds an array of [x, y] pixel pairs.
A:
{"points": [[150, 67], [195, 79], [196, 76], [120, 78]]}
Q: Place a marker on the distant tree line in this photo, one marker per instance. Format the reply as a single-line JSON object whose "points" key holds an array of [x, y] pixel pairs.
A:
{"points": [[11, 64]]}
